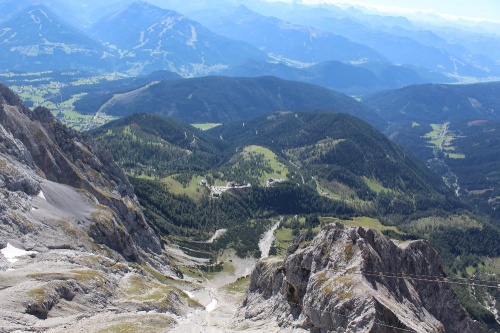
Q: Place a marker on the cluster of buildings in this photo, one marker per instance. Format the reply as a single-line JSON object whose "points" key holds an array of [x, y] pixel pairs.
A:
{"points": [[216, 191]]}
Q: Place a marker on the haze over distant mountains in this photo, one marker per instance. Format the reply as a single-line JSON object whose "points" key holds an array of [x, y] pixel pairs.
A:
{"points": [[37, 40], [254, 39]]}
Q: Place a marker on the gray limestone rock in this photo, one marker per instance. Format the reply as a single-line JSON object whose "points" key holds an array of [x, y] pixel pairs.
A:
{"points": [[64, 198], [351, 280], [35, 145]]}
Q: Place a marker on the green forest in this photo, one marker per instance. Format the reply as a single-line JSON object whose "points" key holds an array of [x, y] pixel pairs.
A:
{"points": [[331, 165]]}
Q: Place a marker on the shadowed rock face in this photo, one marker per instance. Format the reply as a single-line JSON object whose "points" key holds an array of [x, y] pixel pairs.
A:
{"points": [[320, 286], [41, 150]]}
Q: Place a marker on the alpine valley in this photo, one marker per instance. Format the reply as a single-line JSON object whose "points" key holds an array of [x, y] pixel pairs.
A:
{"points": [[247, 166]]}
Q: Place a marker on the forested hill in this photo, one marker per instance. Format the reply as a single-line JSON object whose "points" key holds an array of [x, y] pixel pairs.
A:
{"points": [[342, 148], [141, 142], [93, 95], [438, 102], [225, 99]]}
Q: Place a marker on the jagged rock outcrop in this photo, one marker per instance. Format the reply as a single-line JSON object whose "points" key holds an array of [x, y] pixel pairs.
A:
{"points": [[36, 140], [343, 281]]}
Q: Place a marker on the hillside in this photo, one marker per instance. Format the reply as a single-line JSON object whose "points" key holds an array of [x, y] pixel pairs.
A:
{"points": [[224, 99], [151, 38], [324, 163], [147, 144], [464, 152], [36, 40], [73, 235], [338, 161], [285, 40], [335, 148], [94, 94], [365, 78], [436, 103]]}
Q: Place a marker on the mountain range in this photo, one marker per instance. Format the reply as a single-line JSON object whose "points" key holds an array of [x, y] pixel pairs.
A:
{"points": [[396, 38], [225, 99], [155, 37], [318, 155], [232, 183], [286, 40], [362, 79], [150, 38], [36, 40]]}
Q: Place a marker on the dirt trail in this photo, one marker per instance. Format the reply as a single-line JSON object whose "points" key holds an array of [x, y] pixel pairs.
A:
{"points": [[227, 318], [267, 239]]}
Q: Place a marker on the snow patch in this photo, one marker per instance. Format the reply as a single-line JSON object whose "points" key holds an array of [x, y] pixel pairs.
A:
{"points": [[212, 306], [11, 253], [41, 195]]}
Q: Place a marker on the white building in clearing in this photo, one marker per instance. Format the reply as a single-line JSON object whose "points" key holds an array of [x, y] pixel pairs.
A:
{"points": [[218, 190], [272, 181]]}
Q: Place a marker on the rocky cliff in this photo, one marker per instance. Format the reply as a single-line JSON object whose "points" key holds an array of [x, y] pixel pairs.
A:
{"points": [[76, 251], [58, 154], [345, 281]]}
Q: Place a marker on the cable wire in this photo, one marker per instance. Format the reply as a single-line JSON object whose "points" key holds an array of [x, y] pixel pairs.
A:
{"points": [[414, 277]]}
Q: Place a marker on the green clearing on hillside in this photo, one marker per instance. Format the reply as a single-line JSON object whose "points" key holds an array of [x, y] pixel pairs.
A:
{"points": [[240, 286], [333, 190], [283, 239], [206, 127], [192, 190], [375, 186], [427, 225], [312, 153], [277, 169], [441, 138]]}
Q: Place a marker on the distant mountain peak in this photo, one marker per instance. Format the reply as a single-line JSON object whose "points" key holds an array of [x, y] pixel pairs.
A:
{"points": [[286, 39], [36, 39], [157, 38]]}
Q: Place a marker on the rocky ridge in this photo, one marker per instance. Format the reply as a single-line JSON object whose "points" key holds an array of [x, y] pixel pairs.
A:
{"points": [[333, 284], [75, 246], [64, 156]]}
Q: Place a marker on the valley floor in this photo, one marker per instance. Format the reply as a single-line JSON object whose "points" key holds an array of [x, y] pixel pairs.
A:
{"points": [[223, 294]]}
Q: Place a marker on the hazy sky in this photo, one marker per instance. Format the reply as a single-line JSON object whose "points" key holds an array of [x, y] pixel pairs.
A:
{"points": [[472, 9]]}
